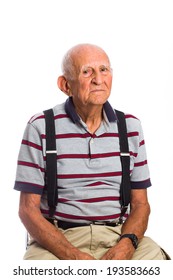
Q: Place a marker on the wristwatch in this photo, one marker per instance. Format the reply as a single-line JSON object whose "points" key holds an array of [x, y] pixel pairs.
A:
{"points": [[132, 237]]}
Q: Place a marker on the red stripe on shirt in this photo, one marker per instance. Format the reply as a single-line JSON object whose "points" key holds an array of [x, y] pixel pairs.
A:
{"points": [[108, 135], [97, 184], [73, 135], [30, 164], [142, 163], [61, 116], [91, 200], [37, 118], [87, 218], [102, 155], [133, 133], [128, 116], [87, 135], [141, 143], [31, 144], [76, 176]]}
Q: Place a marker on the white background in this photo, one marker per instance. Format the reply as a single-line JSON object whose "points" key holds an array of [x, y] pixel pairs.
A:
{"points": [[138, 37]]}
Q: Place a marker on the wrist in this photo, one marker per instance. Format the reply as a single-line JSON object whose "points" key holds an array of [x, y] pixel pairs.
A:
{"points": [[132, 237]]}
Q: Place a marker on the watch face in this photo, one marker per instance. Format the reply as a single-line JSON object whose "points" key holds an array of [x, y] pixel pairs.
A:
{"points": [[135, 240]]}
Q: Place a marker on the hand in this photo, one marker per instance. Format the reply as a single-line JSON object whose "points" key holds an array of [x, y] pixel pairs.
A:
{"points": [[123, 250], [74, 253], [83, 256]]}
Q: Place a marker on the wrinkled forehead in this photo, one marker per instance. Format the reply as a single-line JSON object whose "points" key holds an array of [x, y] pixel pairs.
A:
{"points": [[90, 57]]}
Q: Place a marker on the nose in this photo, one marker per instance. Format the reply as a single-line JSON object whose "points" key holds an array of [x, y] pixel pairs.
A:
{"points": [[97, 78]]}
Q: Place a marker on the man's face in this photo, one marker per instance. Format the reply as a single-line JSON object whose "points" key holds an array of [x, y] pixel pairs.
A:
{"points": [[91, 84]]}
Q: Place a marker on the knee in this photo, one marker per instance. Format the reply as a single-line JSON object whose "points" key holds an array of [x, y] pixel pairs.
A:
{"points": [[148, 250]]}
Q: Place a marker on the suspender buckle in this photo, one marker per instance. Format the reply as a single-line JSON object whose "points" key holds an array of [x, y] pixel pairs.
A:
{"points": [[124, 154], [51, 152]]}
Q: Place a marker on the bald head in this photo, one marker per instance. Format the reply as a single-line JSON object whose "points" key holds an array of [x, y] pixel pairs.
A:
{"points": [[78, 53]]}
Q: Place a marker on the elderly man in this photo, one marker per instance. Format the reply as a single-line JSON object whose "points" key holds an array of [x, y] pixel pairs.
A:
{"points": [[85, 224]]}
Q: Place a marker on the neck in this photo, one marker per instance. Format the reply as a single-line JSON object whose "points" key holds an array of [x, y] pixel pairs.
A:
{"points": [[92, 116]]}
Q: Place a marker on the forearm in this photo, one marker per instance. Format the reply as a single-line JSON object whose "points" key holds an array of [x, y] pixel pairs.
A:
{"points": [[48, 236], [137, 221]]}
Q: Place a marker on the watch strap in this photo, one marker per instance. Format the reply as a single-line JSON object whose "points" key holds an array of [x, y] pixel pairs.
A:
{"points": [[132, 237]]}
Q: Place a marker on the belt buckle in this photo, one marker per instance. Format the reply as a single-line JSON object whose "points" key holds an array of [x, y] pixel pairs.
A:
{"points": [[106, 223], [98, 223]]}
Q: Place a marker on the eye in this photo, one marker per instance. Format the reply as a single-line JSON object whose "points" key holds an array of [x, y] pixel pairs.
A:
{"points": [[87, 72], [104, 69]]}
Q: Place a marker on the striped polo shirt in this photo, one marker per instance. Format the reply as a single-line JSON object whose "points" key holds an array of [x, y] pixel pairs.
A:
{"points": [[89, 169]]}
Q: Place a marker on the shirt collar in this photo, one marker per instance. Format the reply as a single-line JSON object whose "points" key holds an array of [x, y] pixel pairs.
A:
{"points": [[70, 110]]}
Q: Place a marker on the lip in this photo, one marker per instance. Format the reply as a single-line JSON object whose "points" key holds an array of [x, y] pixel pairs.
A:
{"points": [[96, 90]]}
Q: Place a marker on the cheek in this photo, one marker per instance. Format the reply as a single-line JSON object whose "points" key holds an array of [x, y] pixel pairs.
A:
{"points": [[80, 91], [80, 85], [84, 87], [109, 82]]}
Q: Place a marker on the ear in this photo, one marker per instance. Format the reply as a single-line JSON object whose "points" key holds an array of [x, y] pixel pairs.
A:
{"points": [[64, 85]]}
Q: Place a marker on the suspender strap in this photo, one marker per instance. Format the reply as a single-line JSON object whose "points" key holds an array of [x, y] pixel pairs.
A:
{"points": [[51, 162], [125, 188]]}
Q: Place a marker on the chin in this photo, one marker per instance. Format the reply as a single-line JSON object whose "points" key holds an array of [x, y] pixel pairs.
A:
{"points": [[99, 101]]}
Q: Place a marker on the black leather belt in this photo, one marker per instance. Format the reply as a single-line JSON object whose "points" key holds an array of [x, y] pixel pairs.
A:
{"points": [[65, 225]]}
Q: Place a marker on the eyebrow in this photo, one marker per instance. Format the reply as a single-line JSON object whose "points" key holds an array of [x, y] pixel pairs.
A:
{"points": [[89, 66]]}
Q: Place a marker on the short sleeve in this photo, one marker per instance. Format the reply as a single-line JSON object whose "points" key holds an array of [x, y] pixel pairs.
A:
{"points": [[140, 175], [30, 174]]}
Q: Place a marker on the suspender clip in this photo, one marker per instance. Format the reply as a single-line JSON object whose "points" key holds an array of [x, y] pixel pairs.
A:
{"points": [[124, 154], [51, 152]]}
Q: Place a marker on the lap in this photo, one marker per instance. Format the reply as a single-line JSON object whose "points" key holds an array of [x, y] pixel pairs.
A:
{"points": [[36, 252], [96, 240]]}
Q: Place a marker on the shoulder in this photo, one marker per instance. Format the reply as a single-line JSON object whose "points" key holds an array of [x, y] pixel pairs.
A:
{"points": [[132, 122], [40, 117], [130, 116]]}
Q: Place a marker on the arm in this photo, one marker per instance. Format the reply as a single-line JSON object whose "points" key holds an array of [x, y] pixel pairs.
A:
{"points": [[46, 234], [136, 223]]}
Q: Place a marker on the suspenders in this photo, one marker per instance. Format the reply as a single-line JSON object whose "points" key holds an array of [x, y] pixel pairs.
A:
{"points": [[51, 163], [125, 188]]}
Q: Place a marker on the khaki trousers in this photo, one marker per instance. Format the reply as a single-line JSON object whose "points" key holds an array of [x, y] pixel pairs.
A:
{"points": [[96, 240]]}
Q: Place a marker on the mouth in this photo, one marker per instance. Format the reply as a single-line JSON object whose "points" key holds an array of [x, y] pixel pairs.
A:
{"points": [[96, 90]]}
